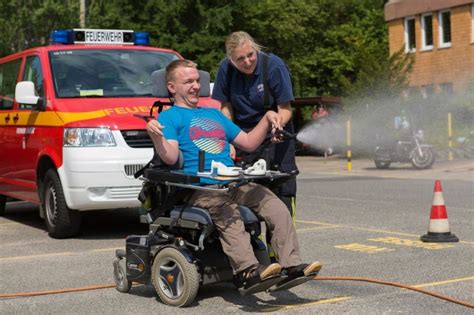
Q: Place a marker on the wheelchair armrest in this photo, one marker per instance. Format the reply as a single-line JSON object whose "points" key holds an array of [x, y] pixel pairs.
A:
{"points": [[163, 176]]}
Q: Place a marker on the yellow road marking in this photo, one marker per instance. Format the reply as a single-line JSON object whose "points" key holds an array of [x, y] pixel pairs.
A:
{"points": [[432, 284], [287, 307], [368, 230], [357, 247], [318, 223], [316, 228], [9, 223], [410, 243], [105, 249], [36, 256], [55, 254]]}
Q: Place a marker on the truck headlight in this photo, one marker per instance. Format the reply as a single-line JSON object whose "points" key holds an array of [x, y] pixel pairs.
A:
{"points": [[88, 137]]}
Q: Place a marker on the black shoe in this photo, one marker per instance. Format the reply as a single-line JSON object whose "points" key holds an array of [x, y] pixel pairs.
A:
{"points": [[304, 270], [297, 275], [259, 278]]}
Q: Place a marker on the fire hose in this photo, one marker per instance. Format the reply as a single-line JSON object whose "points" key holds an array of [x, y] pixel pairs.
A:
{"points": [[370, 280]]}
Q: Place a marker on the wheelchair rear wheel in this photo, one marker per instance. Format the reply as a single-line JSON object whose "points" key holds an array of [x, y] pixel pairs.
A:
{"points": [[175, 279]]}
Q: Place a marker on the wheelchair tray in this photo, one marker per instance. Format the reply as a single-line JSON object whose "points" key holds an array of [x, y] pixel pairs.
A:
{"points": [[268, 176], [186, 180]]}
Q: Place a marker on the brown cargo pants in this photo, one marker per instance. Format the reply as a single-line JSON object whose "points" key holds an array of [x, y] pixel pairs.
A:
{"points": [[225, 213]]}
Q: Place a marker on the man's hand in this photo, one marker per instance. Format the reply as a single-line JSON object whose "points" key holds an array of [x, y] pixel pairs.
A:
{"points": [[233, 153], [154, 128]]}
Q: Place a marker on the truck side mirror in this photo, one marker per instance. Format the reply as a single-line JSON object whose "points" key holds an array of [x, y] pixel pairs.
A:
{"points": [[25, 94]]}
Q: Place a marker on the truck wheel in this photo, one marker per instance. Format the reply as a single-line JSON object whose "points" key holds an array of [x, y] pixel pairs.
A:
{"points": [[175, 279], [3, 203], [120, 276], [61, 221]]}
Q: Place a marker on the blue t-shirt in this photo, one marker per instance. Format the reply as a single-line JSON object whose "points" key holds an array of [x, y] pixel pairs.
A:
{"points": [[197, 129], [245, 93]]}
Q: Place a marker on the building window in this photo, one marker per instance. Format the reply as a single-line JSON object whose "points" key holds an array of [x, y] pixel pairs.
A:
{"points": [[444, 19], [427, 91], [412, 91], [427, 31], [410, 37], [472, 24], [446, 88]]}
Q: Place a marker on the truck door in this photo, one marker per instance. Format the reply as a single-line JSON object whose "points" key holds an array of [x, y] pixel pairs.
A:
{"points": [[9, 149], [27, 131]]}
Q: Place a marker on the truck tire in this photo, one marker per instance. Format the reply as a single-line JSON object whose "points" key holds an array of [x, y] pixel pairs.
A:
{"points": [[61, 221], [3, 203]]}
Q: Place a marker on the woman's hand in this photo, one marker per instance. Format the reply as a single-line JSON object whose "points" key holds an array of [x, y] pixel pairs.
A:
{"points": [[276, 123]]}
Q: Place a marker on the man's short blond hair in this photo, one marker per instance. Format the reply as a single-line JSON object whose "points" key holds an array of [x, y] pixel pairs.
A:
{"points": [[175, 64], [237, 39]]}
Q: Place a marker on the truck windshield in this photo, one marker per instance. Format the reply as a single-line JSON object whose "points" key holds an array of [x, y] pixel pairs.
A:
{"points": [[106, 73]]}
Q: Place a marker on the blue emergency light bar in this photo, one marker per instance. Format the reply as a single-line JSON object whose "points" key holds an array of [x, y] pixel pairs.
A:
{"points": [[97, 37]]}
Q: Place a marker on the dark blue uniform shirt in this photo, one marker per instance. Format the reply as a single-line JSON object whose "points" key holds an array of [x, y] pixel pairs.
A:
{"points": [[247, 91]]}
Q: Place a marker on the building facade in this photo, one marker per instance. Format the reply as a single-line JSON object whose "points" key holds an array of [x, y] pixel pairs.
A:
{"points": [[440, 34]]}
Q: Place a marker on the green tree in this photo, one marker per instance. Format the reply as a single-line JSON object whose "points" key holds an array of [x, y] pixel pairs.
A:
{"points": [[196, 29], [331, 47], [27, 23]]}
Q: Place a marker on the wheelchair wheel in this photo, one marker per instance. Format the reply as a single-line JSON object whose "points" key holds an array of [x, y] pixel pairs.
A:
{"points": [[175, 279], [120, 276]]}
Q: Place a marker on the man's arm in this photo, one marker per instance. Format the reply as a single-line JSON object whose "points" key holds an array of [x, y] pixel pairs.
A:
{"points": [[168, 150], [249, 142]]}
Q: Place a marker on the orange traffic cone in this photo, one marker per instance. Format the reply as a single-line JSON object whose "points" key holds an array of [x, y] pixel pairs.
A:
{"points": [[438, 230]]}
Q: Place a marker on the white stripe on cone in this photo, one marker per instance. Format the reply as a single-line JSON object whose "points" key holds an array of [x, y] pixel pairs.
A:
{"points": [[439, 226], [438, 199]]}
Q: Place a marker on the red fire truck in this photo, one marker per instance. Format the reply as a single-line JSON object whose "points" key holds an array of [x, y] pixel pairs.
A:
{"points": [[69, 140]]}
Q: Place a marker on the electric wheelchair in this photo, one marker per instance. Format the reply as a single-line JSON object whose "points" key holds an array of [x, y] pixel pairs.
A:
{"points": [[182, 251]]}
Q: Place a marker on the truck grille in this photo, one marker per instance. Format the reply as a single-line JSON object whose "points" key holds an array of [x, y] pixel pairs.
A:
{"points": [[131, 169], [119, 193], [137, 138]]}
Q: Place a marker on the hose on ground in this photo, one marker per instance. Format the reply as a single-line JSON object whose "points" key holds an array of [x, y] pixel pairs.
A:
{"points": [[370, 280]]}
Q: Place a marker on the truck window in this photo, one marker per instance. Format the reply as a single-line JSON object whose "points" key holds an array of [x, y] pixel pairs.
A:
{"points": [[33, 73], [106, 73], [9, 75]]}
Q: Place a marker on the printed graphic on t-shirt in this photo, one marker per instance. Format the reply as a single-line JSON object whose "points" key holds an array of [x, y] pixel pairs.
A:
{"points": [[207, 134]]}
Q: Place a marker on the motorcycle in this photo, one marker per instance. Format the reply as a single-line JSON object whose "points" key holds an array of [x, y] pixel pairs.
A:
{"points": [[409, 150]]}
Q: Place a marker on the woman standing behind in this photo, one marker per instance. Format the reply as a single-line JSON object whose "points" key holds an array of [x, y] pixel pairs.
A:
{"points": [[250, 82]]}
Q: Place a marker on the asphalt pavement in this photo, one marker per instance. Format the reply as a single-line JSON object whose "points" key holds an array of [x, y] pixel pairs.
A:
{"points": [[338, 165], [364, 224]]}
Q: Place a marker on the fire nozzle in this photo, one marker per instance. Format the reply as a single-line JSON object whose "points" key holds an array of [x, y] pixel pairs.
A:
{"points": [[286, 134]]}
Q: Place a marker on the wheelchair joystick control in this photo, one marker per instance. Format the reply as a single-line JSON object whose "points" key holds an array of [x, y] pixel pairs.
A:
{"points": [[201, 161]]}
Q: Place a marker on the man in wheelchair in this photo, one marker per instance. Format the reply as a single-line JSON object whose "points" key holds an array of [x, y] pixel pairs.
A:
{"points": [[188, 128]]}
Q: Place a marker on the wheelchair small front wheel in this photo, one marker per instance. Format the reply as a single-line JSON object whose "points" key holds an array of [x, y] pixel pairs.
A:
{"points": [[120, 276], [175, 279]]}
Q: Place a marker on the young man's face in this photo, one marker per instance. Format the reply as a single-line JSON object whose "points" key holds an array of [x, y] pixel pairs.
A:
{"points": [[244, 58], [185, 86]]}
